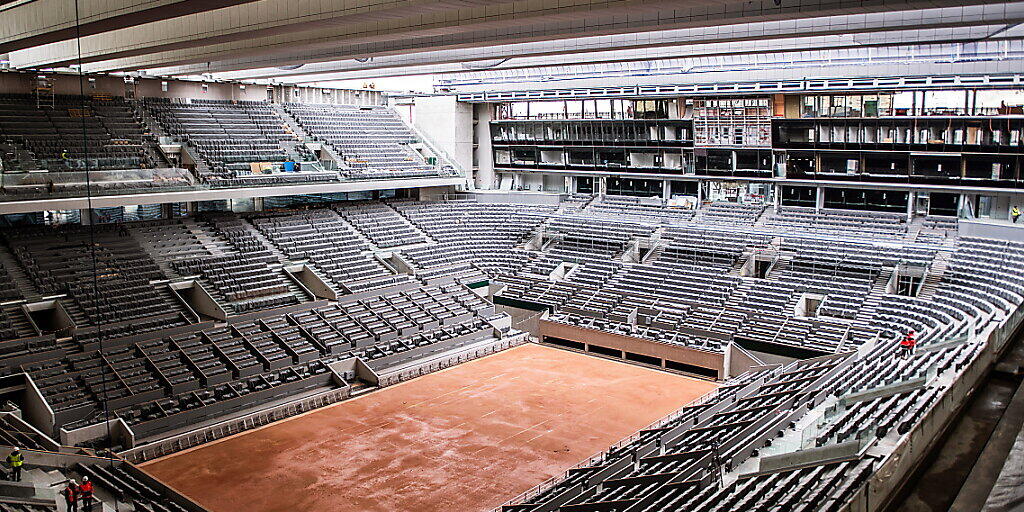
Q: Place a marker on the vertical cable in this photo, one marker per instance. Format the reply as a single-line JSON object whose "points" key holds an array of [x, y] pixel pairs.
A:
{"points": [[92, 242]]}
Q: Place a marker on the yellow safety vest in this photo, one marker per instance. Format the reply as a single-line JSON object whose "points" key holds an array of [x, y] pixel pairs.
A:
{"points": [[16, 460]]}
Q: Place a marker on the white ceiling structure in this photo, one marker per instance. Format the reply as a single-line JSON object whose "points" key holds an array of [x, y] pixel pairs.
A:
{"points": [[474, 41]]}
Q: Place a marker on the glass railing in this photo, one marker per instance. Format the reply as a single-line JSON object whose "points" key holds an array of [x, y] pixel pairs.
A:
{"points": [[46, 185]]}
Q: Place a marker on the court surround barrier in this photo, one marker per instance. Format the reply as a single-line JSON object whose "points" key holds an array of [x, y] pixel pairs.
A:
{"points": [[233, 426], [452, 359], [264, 417]]}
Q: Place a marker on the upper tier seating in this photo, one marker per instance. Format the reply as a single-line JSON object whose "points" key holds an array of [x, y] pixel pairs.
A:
{"points": [[635, 209], [721, 212], [839, 222], [76, 133], [373, 140], [228, 135]]}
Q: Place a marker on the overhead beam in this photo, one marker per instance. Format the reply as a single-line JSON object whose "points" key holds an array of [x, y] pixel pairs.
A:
{"points": [[453, 28], [39, 22], [755, 47], [262, 19], [938, 25]]}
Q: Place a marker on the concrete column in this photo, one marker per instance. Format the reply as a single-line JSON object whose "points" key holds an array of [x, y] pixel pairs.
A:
{"points": [[911, 206], [666, 190], [819, 198], [602, 185], [484, 152]]}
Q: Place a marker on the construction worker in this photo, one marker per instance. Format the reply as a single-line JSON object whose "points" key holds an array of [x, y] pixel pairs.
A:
{"points": [[907, 344], [70, 494], [16, 460], [85, 494], [1015, 214]]}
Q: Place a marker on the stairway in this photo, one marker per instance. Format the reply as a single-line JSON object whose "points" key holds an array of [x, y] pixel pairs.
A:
{"points": [[914, 228], [282, 257], [19, 276], [296, 290], [291, 123], [739, 294], [867, 310], [357, 231], [654, 253], [935, 273], [410, 223], [737, 267], [303, 136], [213, 245], [780, 265], [75, 312], [149, 121], [762, 219], [19, 321], [164, 263], [881, 283], [165, 293]]}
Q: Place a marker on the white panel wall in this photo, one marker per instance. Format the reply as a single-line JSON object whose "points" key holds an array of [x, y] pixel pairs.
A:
{"points": [[448, 124]]}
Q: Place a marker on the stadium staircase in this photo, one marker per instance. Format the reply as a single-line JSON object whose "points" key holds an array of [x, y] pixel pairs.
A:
{"points": [[935, 273], [914, 228], [211, 244], [19, 321], [780, 265], [267, 243], [294, 127], [415, 227], [21, 279], [873, 299], [149, 122], [762, 219]]}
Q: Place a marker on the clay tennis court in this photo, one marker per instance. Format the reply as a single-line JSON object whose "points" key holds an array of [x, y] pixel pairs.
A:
{"points": [[464, 439]]}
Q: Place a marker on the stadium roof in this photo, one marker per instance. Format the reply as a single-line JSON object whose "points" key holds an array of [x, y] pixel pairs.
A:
{"points": [[307, 41]]}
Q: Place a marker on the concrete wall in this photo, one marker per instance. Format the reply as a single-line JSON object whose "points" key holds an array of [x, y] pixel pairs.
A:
{"points": [[640, 346], [484, 177], [448, 124], [984, 229]]}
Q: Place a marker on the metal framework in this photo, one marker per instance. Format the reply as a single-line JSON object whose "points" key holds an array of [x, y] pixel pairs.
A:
{"points": [[987, 81]]}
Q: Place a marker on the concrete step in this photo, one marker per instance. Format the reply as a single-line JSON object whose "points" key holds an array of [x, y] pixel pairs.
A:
{"points": [[18, 274], [410, 222], [205, 239], [19, 321], [282, 257]]}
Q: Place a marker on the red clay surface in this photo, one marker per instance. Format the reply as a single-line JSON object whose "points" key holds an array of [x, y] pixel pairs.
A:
{"points": [[464, 439]]}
